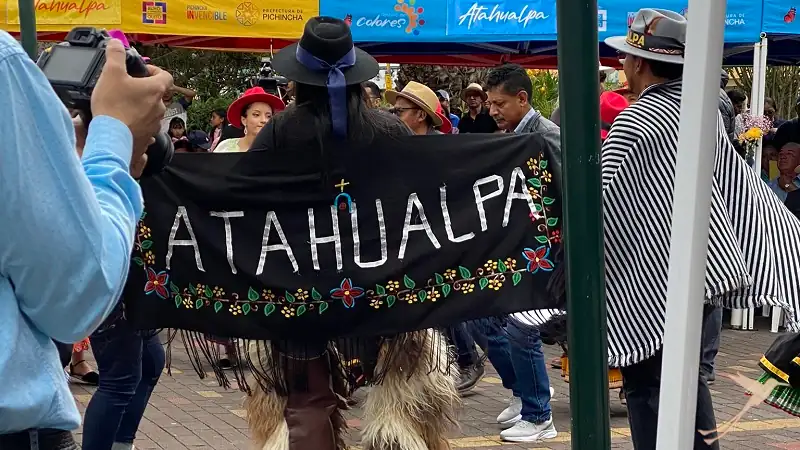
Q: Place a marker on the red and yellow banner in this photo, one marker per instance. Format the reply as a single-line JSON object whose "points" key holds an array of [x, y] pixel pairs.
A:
{"points": [[281, 19]]}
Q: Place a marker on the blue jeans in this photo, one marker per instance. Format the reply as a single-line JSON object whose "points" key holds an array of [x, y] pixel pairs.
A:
{"points": [[464, 344], [517, 356], [129, 364], [709, 346]]}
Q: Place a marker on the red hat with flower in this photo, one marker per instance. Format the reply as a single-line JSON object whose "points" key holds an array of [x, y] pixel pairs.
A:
{"points": [[250, 96]]}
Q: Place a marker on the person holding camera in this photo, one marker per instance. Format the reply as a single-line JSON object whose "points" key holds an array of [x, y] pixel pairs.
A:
{"points": [[68, 228]]}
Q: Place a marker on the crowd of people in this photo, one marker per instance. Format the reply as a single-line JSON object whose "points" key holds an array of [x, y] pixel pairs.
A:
{"points": [[44, 302]]}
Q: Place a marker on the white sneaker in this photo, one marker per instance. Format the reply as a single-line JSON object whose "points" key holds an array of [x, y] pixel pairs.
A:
{"points": [[552, 392], [524, 431], [512, 414]]}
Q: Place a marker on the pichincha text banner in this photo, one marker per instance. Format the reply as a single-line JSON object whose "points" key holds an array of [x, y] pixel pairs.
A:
{"points": [[400, 235]]}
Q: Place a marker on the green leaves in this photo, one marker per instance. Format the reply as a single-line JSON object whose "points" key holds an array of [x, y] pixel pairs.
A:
{"points": [[146, 245], [178, 301], [301, 310], [516, 278], [551, 222], [174, 288], [207, 292], [192, 289], [323, 307], [269, 309], [380, 290], [252, 295], [483, 282], [537, 207], [289, 297], [542, 239], [198, 303], [446, 289], [439, 278], [217, 306], [246, 308], [422, 295], [464, 272], [408, 282], [316, 296], [543, 164], [501, 266], [139, 262], [548, 200], [390, 300], [535, 182]]}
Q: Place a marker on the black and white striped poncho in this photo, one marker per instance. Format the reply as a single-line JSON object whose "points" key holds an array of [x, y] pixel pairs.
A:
{"points": [[753, 258]]}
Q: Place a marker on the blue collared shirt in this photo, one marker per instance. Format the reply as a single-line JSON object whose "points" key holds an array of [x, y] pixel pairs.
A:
{"points": [[776, 188], [527, 118], [67, 230]]}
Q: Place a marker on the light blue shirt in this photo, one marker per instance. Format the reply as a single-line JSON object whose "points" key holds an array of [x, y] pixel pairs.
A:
{"points": [[67, 231], [776, 188]]}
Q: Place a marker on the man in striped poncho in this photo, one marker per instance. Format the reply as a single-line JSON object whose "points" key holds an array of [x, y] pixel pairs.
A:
{"points": [[748, 261]]}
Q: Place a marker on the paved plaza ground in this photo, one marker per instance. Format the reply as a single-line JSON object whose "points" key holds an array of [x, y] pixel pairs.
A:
{"points": [[186, 412]]}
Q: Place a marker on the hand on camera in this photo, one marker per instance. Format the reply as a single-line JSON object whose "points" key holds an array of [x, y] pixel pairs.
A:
{"points": [[136, 102]]}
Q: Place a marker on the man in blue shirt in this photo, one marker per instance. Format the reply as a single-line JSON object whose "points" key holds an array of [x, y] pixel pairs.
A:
{"points": [[68, 227]]}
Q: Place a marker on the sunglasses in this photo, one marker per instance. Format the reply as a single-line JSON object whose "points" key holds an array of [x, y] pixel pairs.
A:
{"points": [[397, 110], [621, 56]]}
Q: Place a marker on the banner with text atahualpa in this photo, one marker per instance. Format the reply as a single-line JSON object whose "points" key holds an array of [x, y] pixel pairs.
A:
{"points": [[780, 16], [509, 20]]}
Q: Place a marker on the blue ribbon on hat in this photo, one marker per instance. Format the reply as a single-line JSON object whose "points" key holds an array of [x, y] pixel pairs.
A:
{"points": [[336, 84]]}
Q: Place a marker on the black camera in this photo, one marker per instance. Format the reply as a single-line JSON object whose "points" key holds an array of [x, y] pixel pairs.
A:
{"points": [[271, 83], [73, 68]]}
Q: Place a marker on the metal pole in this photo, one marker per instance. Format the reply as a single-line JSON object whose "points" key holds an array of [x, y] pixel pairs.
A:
{"points": [[690, 218], [579, 93], [27, 27], [738, 321]]}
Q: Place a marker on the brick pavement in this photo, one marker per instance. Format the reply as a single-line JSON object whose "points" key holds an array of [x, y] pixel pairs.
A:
{"points": [[187, 412]]}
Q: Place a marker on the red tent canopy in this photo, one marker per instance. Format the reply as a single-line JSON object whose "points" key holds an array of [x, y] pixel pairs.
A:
{"points": [[535, 61]]}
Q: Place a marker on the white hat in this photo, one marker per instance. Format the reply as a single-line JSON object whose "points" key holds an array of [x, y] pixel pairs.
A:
{"points": [[654, 34], [606, 69]]}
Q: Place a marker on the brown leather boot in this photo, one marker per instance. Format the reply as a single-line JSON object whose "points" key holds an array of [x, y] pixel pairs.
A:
{"points": [[311, 409]]}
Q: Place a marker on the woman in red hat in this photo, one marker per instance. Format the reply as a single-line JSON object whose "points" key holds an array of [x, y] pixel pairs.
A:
{"points": [[250, 112]]}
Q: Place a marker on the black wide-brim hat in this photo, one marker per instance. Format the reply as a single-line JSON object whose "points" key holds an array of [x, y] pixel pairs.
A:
{"points": [[328, 39]]}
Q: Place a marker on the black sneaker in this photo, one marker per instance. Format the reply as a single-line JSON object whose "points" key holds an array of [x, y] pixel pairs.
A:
{"points": [[469, 378]]}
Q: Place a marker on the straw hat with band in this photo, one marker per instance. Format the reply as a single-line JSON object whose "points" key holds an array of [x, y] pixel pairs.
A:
{"points": [[420, 95], [473, 87], [250, 96], [654, 34], [325, 56]]}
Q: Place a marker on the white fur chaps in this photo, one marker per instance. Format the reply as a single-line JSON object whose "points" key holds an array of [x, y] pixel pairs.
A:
{"points": [[400, 413]]}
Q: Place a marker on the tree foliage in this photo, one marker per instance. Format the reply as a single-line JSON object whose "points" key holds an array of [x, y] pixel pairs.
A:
{"points": [[210, 73], [453, 79], [782, 85]]}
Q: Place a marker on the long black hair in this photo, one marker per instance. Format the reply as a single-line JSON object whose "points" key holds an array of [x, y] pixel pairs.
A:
{"points": [[221, 112], [308, 120]]}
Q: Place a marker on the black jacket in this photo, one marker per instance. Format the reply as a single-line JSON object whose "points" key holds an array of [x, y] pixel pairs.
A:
{"points": [[728, 115]]}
